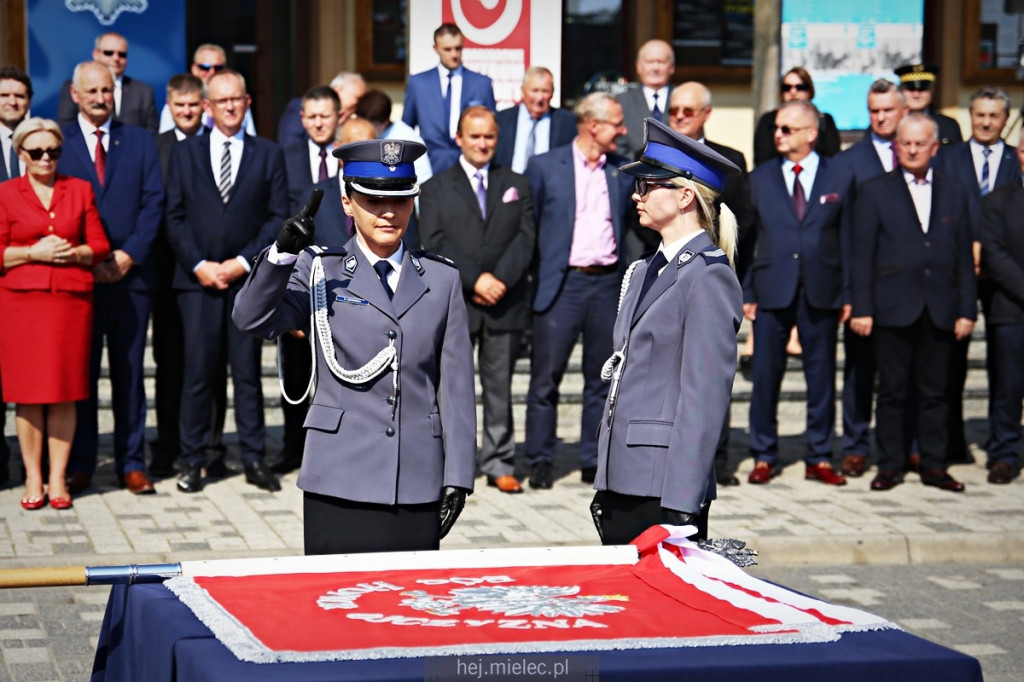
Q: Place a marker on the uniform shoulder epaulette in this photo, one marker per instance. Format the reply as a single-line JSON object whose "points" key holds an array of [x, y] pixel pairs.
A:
{"points": [[336, 250], [715, 256], [420, 253]]}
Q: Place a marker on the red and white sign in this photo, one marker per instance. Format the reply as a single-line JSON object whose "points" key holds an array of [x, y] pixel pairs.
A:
{"points": [[675, 595]]}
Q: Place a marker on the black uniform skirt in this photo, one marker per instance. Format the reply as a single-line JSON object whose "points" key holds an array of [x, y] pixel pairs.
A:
{"points": [[624, 517], [336, 526]]}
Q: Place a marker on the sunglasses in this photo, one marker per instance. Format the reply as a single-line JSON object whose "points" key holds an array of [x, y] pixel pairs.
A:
{"points": [[37, 154], [642, 187], [688, 112], [917, 86], [208, 67], [799, 87], [111, 53], [789, 130]]}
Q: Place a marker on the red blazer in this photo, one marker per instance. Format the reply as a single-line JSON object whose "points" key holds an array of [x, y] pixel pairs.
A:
{"points": [[72, 215]]}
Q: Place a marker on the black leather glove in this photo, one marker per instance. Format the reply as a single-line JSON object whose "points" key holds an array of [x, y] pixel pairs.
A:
{"points": [[596, 512], [674, 517], [298, 231], [452, 501]]}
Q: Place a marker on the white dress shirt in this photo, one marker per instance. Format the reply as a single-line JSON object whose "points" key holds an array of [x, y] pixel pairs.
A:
{"points": [[978, 156], [809, 170], [5, 147], [314, 161], [89, 134], [921, 193], [662, 99], [455, 109], [541, 137], [884, 150]]}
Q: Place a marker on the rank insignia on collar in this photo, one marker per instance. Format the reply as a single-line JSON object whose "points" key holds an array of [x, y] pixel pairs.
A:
{"points": [[416, 263], [685, 256], [350, 264], [390, 153]]}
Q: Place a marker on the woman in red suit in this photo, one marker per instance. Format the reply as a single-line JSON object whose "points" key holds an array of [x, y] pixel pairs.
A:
{"points": [[50, 237]]}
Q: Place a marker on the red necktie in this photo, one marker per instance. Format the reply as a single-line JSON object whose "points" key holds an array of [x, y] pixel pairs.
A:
{"points": [[101, 157], [799, 198]]}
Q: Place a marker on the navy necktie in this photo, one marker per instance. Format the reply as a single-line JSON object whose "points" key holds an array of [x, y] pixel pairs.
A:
{"points": [[15, 166], [656, 110], [657, 263], [322, 175], [448, 100], [383, 267], [799, 198], [531, 140], [985, 186]]}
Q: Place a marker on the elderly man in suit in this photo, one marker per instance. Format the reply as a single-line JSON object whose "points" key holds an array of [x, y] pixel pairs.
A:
{"points": [[207, 60], [1002, 258], [534, 126], [481, 217], [872, 156], [226, 197], [581, 203], [121, 162], [133, 100], [655, 64], [796, 278], [15, 100], [913, 291], [184, 99], [435, 98], [689, 109]]}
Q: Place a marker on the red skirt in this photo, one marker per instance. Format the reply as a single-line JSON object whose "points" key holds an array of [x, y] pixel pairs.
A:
{"points": [[45, 344]]}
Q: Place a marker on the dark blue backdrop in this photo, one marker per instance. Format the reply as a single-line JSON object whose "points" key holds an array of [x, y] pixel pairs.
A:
{"points": [[59, 38]]}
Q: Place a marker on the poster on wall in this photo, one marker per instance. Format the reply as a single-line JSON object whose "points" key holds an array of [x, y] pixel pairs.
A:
{"points": [[846, 46], [502, 38], [61, 33]]}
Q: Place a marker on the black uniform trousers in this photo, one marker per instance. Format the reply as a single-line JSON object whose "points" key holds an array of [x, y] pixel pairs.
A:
{"points": [[332, 525]]}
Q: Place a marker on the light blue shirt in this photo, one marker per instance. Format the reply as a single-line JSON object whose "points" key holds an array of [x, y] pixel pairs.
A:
{"points": [[541, 137]]}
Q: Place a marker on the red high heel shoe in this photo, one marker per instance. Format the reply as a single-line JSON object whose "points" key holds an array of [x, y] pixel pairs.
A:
{"points": [[61, 502], [33, 503]]}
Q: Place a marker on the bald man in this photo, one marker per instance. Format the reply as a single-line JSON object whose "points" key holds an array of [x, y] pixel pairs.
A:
{"points": [[655, 64]]}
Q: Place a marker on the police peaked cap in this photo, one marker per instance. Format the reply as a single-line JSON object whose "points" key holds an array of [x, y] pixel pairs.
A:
{"points": [[381, 167], [668, 154]]}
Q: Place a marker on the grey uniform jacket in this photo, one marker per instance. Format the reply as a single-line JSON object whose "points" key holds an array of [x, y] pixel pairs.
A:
{"points": [[355, 449], [675, 380]]}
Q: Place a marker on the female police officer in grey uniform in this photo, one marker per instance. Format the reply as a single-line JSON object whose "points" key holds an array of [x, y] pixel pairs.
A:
{"points": [[675, 346], [390, 446]]}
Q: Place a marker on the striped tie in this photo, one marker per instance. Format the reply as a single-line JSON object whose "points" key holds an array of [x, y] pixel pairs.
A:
{"points": [[225, 173], [985, 188]]}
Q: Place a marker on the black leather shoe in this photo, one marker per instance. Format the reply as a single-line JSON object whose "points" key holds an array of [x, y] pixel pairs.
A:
{"points": [[724, 477], [540, 476], [588, 474], [1003, 472], [259, 475], [885, 480], [939, 478], [191, 479], [217, 468]]}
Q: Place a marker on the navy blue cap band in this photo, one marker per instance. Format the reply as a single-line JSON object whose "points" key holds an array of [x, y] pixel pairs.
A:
{"points": [[375, 169], [683, 163]]}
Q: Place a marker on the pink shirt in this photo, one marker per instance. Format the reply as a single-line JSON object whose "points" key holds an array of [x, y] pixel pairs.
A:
{"points": [[593, 237]]}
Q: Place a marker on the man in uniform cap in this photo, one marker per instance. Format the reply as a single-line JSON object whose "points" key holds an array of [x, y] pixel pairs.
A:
{"points": [[917, 81], [390, 451]]}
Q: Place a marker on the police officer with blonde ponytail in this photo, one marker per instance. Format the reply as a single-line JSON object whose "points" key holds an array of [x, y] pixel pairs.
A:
{"points": [[675, 346]]}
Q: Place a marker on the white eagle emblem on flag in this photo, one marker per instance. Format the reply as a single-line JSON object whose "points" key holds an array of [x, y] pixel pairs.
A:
{"points": [[515, 600], [390, 153], [107, 11]]}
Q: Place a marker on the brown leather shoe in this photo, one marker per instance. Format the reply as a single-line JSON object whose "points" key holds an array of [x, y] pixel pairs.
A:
{"points": [[854, 465], [77, 482], [506, 484], [823, 471], [1003, 472], [914, 462], [138, 483], [885, 480], [762, 473], [941, 479]]}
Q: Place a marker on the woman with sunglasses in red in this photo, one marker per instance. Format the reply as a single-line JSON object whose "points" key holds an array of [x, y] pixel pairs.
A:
{"points": [[50, 238]]}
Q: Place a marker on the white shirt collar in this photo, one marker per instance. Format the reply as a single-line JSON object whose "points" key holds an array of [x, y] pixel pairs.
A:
{"points": [[88, 128], [471, 170], [911, 178], [672, 250], [219, 138], [395, 259]]}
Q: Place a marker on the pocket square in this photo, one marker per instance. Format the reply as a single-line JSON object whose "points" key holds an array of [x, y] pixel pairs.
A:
{"points": [[510, 195], [829, 198]]}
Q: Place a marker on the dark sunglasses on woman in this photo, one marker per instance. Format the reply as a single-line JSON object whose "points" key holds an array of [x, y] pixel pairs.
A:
{"points": [[37, 154]]}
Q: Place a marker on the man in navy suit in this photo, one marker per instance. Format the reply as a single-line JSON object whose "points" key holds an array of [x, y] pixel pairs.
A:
{"points": [[121, 162], [581, 205], [872, 156], [655, 64], [534, 126], [306, 164], [15, 100], [435, 98], [350, 88], [133, 100], [226, 198], [983, 163], [796, 278], [913, 290]]}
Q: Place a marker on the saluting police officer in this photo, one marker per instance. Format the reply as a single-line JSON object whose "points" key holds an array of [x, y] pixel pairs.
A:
{"points": [[675, 346], [390, 447]]}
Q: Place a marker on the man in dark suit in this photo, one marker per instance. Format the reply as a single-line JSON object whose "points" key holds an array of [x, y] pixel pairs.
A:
{"points": [[913, 291], [435, 98], [983, 163], [534, 126], [184, 100], [581, 205], [872, 156], [15, 100], [350, 88], [655, 64], [1002, 258], [207, 60], [121, 162], [796, 278], [133, 100], [689, 108], [917, 83], [306, 163], [226, 198], [481, 217]]}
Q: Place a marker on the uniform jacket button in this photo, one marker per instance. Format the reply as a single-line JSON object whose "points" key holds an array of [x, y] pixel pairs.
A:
{"points": [[389, 432], [392, 334], [391, 400]]}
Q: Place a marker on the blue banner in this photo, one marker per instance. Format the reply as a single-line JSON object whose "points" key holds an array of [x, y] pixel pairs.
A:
{"points": [[61, 33]]}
